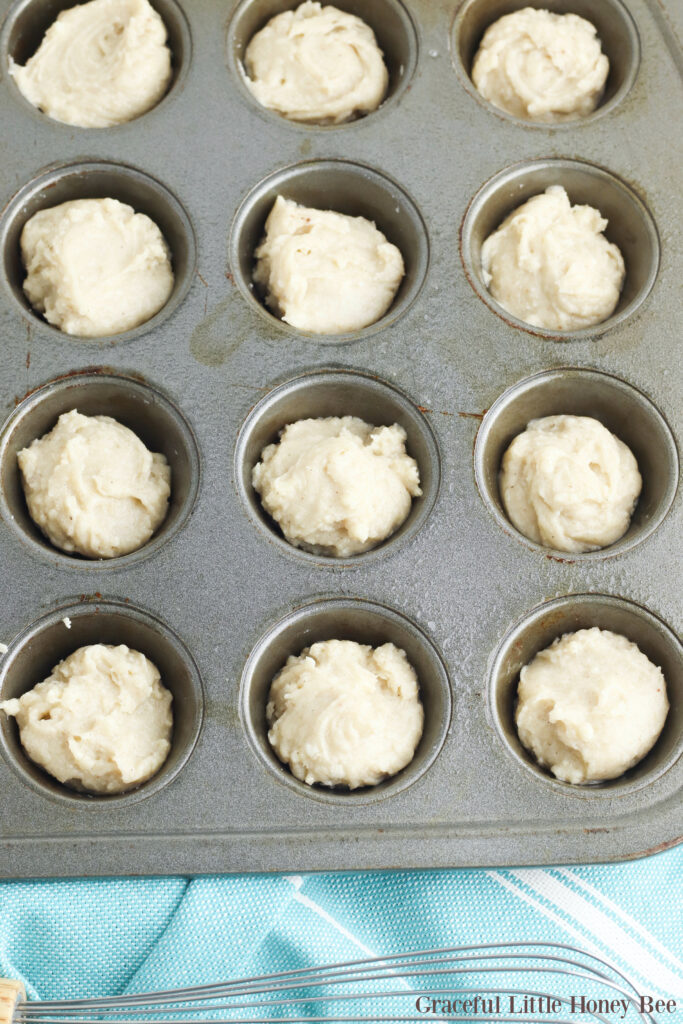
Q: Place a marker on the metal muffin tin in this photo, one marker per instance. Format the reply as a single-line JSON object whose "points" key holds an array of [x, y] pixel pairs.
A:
{"points": [[217, 598]]}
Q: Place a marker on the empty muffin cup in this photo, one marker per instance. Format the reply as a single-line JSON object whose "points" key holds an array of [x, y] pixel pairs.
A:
{"points": [[538, 629], [98, 180], [138, 406], [389, 20], [337, 392], [630, 227], [619, 406], [342, 187], [366, 623], [615, 27], [29, 20], [36, 651]]}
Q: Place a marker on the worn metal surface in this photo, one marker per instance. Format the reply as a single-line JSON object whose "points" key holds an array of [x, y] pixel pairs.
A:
{"points": [[230, 595]]}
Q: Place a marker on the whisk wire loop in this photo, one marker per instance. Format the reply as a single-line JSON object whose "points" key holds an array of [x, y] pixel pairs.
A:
{"points": [[444, 973]]}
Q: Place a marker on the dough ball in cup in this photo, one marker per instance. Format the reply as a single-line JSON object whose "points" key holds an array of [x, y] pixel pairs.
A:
{"points": [[93, 487], [550, 265], [95, 267], [337, 486], [568, 483], [541, 66], [100, 64], [590, 706], [316, 65], [344, 714], [101, 722], [325, 272]]}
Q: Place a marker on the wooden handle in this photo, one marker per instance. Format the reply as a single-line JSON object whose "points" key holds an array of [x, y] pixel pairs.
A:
{"points": [[11, 992]]}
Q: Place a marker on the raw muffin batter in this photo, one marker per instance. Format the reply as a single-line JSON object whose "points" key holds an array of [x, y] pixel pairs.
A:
{"points": [[99, 64], [101, 721], [345, 714], [550, 265], [93, 487], [541, 66], [326, 272], [570, 484], [316, 64], [337, 486], [590, 706], [95, 267]]}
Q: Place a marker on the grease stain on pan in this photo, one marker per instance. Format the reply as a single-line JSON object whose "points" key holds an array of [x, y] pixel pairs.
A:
{"points": [[211, 343]]}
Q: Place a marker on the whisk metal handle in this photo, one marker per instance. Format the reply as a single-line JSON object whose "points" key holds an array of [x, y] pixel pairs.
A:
{"points": [[11, 993]]}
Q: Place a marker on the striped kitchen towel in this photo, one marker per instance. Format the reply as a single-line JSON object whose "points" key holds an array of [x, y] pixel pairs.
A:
{"points": [[107, 936]]}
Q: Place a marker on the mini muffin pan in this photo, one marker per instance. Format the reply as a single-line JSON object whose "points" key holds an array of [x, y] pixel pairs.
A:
{"points": [[629, 226], [144, 410], [95, 180], [55, 636], [217, 598]]}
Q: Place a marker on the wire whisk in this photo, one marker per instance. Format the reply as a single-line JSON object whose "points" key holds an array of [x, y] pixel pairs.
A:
{"points": [[524, 983]]}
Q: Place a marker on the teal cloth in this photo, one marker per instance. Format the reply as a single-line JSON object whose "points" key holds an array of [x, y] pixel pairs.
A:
{"points": [[74, 938]]}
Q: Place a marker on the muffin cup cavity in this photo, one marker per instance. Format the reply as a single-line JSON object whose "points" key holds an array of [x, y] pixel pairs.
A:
{"points": [[29, 20], [537, 630], [620, 407], [389, 20], [34, 653], [337, 392], [98, 181], [630, 226], [343, 187], [146, 411], [366, 623], [615, 27]]}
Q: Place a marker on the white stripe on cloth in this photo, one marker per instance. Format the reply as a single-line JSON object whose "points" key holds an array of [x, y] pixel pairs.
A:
{"points": [[296, 880], [317, 909], [603, 929], [583, 942], [628, 918], [321, 912]]}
